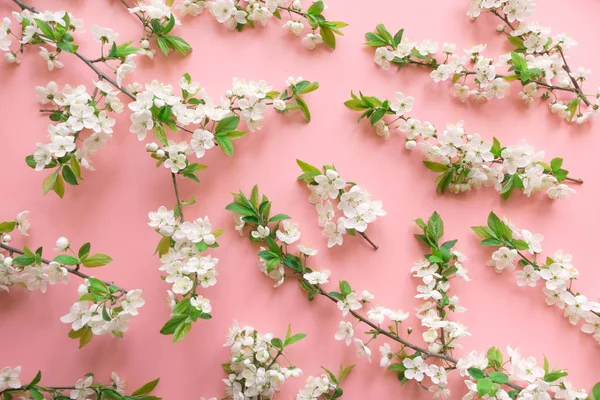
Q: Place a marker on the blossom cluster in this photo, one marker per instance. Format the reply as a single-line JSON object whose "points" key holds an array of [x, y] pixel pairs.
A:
{"points": [[101, 308], [83, 125], [55, 30], [254, 366], [556, 272], [485, 375], [209, 123], [84, 389], [537, 63], [236, 15], [52, 29], [354, 202], [180, 251], [157, 23], [463, 160]]}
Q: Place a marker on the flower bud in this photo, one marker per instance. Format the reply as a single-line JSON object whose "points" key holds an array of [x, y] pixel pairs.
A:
{"points": [[160, 153], [62, 244], [409, 330], [501, 28], [297, 28], [145, 43], [279, 105], [229, 94], [410, 144], [11, 58], [6, 238], [297, 5], [152, 147]]}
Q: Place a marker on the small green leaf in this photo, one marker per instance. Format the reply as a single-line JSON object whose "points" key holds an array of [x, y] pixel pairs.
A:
{"points": [[146, 389], [97, 260], [69, 175], [476, 373], [293, 339], [484, 386], [50, 182], [435, 166], [279, 217], [66, 259], [498, 377]]}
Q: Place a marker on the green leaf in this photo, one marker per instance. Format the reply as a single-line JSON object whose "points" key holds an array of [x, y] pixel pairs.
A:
{"points": [[345, 288], [309, 87], [67, 46], [37, 379], [225, 145], [498, 377], [59, 186], [24, 261], [328, 36], [316, 8], [556, 164], [554, 376], [596, 392], [35, 394], [69, 175], [435, 225], [181, 331], [516, 41], [494, 356], [227, 125], [496, 225], [172, 324], [66, 260], [293, 339], [476, 373], [303, 107], [385, 34], [163, 45], [50, 182], [484, 386], [482, 231], [147, 388], [491, 242], [398, 37], [45, 28], [279, 217], [170, 25], [277, 343], [8, 226], [240, 209], [97, 260], [377, 115], [435, 166], [178, 44], [397, 367]]}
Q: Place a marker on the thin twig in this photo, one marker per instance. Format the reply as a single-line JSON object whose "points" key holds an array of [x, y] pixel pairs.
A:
{"points": [[426, 353], [176, 188], [364, 235]]}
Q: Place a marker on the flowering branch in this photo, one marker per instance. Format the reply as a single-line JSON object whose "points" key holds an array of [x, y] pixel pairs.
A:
{"points": [[464, 160], [85, 388], [255, 368], [537, 63], [180, 252], [557, 271], [359, 210], [235, 16], [486, 374], [102, 306], [157, 23]]}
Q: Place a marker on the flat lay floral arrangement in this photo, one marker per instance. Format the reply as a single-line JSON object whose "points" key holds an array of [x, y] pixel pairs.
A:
{"points": [[220, 199]]}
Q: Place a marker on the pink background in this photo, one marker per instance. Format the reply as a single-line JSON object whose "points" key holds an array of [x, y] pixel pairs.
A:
{"points": [[110, 208]]}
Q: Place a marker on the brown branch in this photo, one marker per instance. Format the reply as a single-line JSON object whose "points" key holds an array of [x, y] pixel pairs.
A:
{"points": [[427, 354]]}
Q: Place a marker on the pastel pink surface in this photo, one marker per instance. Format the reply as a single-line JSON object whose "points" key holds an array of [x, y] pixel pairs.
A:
{"points": [[110, 207]]}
